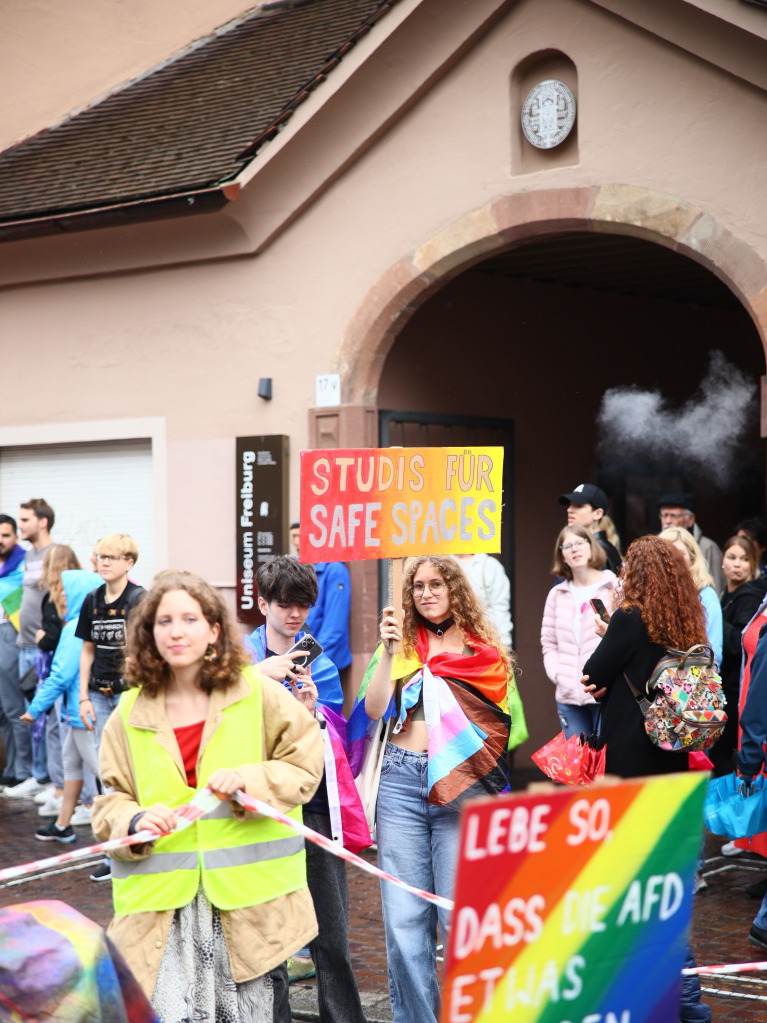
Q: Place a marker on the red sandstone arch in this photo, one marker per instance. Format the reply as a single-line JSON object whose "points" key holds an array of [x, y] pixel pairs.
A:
{"points": [[621, 209]]}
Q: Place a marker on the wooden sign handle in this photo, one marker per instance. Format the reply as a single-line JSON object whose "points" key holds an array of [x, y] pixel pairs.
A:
{"points": [[395, 598]]}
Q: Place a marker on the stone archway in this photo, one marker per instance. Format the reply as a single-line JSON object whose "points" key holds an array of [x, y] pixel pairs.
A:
{"points": [[409, 284], [624, 209]]}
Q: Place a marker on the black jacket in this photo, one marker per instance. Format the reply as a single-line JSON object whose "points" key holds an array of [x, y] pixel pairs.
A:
{"points": [[614, 561], [626, 647], [738, 608]]}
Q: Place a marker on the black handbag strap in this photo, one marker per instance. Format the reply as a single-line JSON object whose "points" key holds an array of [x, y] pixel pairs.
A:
{"points": [[641, 700]]}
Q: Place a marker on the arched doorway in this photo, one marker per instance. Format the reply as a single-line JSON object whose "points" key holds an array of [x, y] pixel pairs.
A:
{"points": [[533, 322]]}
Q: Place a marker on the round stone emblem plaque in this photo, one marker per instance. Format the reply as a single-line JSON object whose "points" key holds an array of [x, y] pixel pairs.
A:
{"points": [[548, 114]]}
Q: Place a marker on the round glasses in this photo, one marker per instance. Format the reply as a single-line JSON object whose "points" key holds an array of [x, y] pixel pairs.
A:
{"points": [[435, 587]]}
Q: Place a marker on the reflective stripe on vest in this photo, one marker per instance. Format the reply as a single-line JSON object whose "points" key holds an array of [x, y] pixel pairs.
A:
{"points": [[239, 862]]}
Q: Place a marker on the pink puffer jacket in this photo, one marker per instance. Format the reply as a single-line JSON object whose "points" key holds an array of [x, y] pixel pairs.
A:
{"points": [[563, 656]]}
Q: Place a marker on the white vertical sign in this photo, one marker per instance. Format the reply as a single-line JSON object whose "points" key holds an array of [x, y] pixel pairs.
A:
{"points": [[328, 390]]}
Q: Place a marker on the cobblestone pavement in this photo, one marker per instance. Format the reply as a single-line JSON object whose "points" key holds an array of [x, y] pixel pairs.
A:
{"points": [[722, 917]]}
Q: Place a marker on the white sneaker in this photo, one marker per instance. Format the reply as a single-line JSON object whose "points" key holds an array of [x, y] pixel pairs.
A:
{"points": [[25, 789], [81, 816], [42, 797], [730, 849], [51, 807]]}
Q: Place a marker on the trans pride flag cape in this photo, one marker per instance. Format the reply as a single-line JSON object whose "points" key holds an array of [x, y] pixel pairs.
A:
{"points": [[466, 712], [347, 816], [56, 964], [11, 588]]}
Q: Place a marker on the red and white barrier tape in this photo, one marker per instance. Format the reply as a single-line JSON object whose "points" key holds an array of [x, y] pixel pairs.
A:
{"points": [[338, 850], [725, 968], [188, 814], [203, 803]]}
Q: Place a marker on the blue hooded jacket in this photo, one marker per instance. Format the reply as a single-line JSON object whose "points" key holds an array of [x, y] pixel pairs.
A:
{"points": [[64, 679], [328, 620]]}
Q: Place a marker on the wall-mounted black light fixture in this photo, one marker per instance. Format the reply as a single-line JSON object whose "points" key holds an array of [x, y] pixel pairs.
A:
{"points": [[265, 388]]}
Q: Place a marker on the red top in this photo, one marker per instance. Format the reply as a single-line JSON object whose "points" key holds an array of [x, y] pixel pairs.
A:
{"points": [[189, 738]]}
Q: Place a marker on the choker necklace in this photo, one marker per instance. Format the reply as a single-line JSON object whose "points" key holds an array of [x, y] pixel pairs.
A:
{"points": [[438, 628]]}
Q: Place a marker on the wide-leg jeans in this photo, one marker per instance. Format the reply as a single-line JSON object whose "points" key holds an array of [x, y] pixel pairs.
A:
{"points": [[417, 842]]}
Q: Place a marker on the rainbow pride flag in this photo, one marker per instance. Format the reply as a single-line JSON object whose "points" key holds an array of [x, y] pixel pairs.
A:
{"points": [[11, 589], [575, 904], [56, 964]]}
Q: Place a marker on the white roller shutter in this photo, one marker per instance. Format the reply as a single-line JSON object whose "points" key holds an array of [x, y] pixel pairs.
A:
{"points": [[94, 489]]}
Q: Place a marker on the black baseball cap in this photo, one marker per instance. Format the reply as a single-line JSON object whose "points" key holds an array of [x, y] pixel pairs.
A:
{"points": [[586, 493]]}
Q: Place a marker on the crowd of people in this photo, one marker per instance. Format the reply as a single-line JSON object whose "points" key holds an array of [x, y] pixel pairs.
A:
{"points": [[674, 591], [136, 701]]}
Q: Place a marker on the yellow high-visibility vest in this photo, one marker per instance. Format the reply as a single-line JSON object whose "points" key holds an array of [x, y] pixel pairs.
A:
{"points": [[240, 863]]}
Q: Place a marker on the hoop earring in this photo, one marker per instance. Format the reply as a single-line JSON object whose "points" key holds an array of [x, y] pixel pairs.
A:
{"points": [[211, 654]]}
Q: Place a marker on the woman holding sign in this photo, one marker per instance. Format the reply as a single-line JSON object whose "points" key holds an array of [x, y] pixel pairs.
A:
{"points": [[446, 689]]}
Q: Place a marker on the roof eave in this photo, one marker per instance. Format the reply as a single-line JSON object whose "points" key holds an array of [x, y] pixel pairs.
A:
{"points": [[196, 201]]}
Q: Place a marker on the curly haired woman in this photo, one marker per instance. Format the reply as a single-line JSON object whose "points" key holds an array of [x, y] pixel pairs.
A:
{"points": [[448, 685], [206, 916], [660, 608]]}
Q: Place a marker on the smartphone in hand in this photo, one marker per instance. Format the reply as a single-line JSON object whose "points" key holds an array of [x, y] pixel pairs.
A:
{"points": [[600, 609], [310, 650]]}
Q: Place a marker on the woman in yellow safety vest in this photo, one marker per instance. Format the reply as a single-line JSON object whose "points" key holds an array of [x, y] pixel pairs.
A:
{"points": [[206, 916]]}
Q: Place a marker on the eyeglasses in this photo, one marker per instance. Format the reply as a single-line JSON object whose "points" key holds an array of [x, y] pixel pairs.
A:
{"points": [[574, 546], [107, 558], [674, 516], [435, 587]]}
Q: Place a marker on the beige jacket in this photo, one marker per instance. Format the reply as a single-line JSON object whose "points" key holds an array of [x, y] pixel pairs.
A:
{"points": [[258, 937]]}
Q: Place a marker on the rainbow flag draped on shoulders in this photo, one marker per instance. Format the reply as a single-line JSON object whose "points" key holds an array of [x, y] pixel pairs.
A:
{"points": [[11, 584], [466, 711]]}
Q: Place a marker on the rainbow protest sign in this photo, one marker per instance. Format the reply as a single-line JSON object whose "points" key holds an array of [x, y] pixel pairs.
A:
{"points": [[574, 906], [359, 503]]}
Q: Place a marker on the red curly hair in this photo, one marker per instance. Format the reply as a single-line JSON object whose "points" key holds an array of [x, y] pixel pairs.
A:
{"points": [[658, 583]]}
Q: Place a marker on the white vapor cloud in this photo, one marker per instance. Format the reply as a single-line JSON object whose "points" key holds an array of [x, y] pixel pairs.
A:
{"points": [[706, 430]]}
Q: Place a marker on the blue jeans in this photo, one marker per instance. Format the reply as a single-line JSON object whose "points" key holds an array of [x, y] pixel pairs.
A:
{"points": [[575, 719], [760, 920], [102, 708], [28, 659], [19, 750], [691, 1009], [418, 843]]}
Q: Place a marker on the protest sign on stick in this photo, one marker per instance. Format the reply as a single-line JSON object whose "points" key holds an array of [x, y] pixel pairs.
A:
{"points": [[359, 503], [364, 503], [574, 905]]}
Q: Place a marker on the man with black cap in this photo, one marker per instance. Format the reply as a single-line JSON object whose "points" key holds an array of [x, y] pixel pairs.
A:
{"points": [[678, 509], [586, 506]]}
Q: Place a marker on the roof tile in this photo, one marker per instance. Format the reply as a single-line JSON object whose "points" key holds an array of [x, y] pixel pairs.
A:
{"points": [[189, 125]]}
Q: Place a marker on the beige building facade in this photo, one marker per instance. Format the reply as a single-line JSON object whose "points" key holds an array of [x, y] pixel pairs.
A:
{"points": [[400, 231]]}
